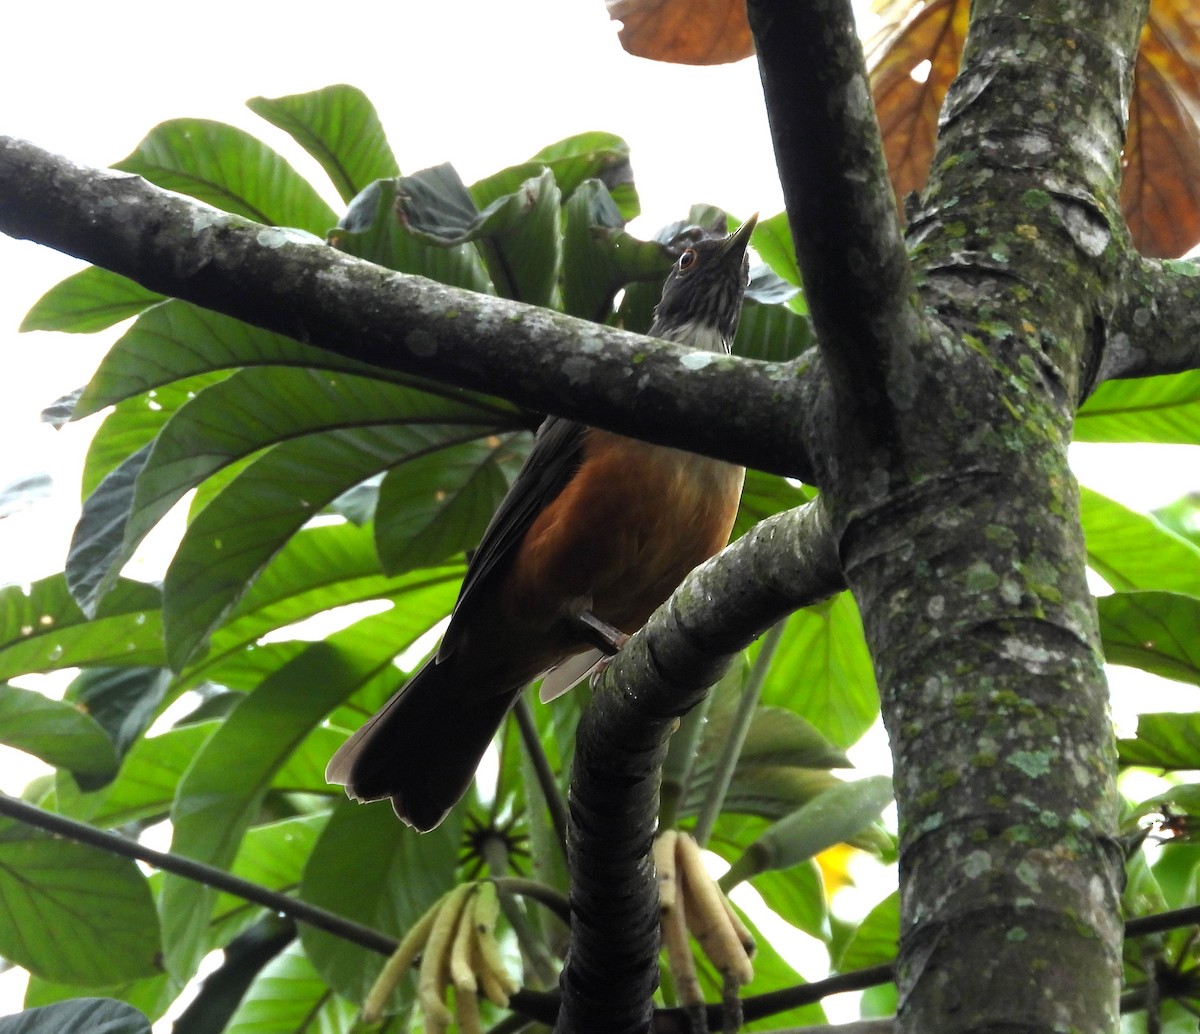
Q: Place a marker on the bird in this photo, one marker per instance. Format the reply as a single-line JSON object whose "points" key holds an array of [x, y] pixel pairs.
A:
{"points": [[597, 530]]}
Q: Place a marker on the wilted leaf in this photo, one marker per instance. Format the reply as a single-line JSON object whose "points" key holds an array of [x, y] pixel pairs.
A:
{"points": [[1160, 186], [908, 101], [914, 60], [687, 32]]}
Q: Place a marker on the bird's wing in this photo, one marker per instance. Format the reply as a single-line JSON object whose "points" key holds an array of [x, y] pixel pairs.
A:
{"points": [[555, 457]]}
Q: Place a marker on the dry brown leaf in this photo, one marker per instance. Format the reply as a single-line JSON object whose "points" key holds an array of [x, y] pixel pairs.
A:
{"points": [[1160, 189], [1160, 185], [686, 32], [908, 108]]}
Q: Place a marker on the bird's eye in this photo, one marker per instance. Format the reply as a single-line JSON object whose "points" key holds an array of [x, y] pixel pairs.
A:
{"points": [[687, 260]]}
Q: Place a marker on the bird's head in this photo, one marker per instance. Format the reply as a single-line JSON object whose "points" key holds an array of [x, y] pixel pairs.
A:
{"points": [[702, 298]]}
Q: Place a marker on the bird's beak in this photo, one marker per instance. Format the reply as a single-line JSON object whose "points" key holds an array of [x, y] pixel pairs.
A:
{"points": [[736, 242]]}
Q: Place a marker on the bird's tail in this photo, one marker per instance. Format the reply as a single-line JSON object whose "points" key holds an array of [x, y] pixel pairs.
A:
{"points": [[422, 747]]}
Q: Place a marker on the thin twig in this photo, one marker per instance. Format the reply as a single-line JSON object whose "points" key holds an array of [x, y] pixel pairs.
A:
{"points": [[113, 843], [541, 766]]}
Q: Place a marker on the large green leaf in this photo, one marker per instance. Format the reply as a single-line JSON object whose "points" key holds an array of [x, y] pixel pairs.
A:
{"points": [[823, 672], [75, 914], [1168, 741], [133, 424], [438, 505], [90, 300], [593, 155], [877, 939], [178, 340], [234, 536], [772, 239], [145, 786], [517, 234], [1162, 409], [320, 569], [222, 790], [43, 629], [57, 732], [289, 997], [78, 1016], [272, 856], [769, 329], [372, 230], [764, 495], [600, 257], [1130, 550], [369, 867], [339, 127], [1154, 631], [233, 419], [231, 170], [798, 896], [123, 701]]}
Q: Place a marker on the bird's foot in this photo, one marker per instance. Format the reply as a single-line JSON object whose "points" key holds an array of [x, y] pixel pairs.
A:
{"points": [[600, 633]]}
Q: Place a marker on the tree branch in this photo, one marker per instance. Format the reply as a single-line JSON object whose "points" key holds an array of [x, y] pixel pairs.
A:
{"points": [[856, 272], [288, 282], [664, 671], [1156, 329]]}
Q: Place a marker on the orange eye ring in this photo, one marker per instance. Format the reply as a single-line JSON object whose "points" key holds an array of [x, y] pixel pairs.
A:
{"points": [[687, 260]]}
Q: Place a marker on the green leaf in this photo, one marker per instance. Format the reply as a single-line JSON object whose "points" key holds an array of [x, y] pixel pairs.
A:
{"points": [[797, 895], [772, 239], [221, 792], [593, 155], [1153, 631], [57, 732], [600, 257], [438, 505], [90, 300], [764, 495], [318, 570], [133, 423], [231, 170], [877, 938], [289, 997], [43, 629], [146, 783], [74, 914], [770, 330], [517, 233], [177, 340], [78, 1016], [339, 127], [1168, 741], [151, 996], [832, 818], [823, 650], [369, 867], [371, 230], [123, 701], [271, 856], [1162, 409], [231, 420], [1130, 550], [234, 536]]}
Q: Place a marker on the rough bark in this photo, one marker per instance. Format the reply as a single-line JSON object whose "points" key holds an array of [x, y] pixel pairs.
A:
{"points": [[959, 528]]}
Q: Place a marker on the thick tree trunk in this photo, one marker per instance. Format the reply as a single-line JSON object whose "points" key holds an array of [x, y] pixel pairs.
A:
{"points": [[949, 491]]}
